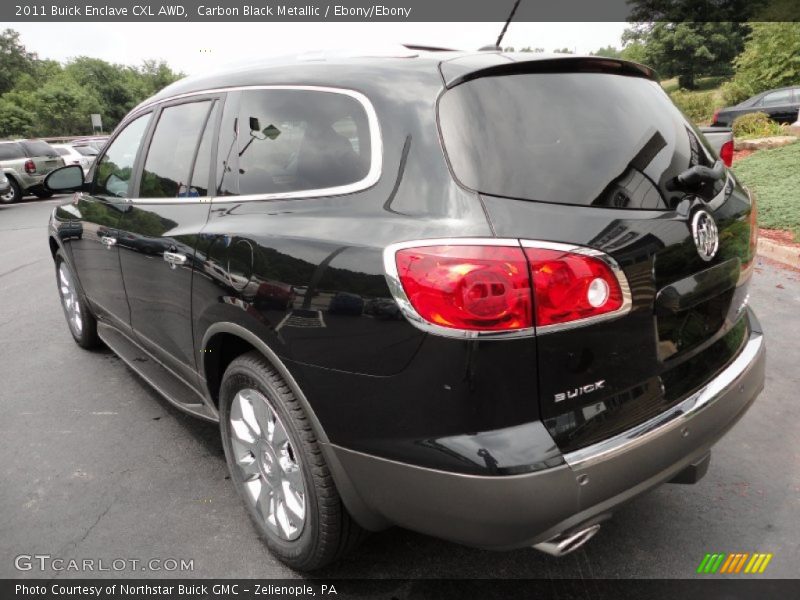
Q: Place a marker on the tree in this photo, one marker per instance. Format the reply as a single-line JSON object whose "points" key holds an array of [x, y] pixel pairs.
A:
{"points": [[771, 59], [608, 52], [562, 51], [689, 39], [15, 60], [14, 120]]}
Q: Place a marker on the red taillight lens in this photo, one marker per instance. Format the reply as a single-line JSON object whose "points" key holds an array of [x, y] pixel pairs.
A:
{"points": [[30, 166], [569, 286], [477, 288], [726, 153], [715, 117]]}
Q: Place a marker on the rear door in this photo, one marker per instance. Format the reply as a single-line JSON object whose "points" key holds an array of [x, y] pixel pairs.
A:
{"points": [[158, 233], [590, 159], [94, 244]]}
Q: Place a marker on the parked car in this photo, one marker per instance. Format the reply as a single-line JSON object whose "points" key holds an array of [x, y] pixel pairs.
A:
{"points": [[721, 141], [780, 104], [73, 157], [5, 186], [25, 163], [574, 291]]}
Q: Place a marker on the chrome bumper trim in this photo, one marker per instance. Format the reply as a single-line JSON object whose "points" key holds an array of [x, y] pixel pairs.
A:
{"points": [[674, 417]]}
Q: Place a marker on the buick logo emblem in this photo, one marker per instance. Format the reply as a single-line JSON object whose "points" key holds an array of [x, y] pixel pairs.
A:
{"points": [[705, 234]]}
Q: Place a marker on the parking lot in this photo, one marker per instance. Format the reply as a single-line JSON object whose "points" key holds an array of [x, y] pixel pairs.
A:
{"points": [[96, 465]]}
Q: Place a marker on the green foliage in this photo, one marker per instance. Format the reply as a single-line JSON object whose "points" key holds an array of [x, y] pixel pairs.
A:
{"points": [[562, 51], [771, 59], [756, 125], [775, 178], [698, 106], [608, 52], [42, 98]]}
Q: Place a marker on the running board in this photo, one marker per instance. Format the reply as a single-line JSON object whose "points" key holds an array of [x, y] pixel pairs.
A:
{"points": [[174, 390]]}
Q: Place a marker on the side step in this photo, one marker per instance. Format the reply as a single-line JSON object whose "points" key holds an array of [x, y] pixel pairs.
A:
{"points": [[164, 381]]}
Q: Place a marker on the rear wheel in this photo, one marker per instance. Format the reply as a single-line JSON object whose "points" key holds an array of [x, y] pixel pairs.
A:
{"points": [[13, 194], [82, 324], [278, 468]]}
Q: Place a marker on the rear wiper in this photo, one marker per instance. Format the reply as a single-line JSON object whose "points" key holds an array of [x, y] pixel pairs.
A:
{"points": [[694, 176]]}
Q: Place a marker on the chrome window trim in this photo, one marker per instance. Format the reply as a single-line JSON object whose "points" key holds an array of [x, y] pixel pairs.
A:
{"points": [[674, 417], [410, 313], [375, 136]]}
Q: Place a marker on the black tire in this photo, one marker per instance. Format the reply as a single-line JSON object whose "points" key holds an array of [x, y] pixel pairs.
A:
{"points": [[13, 195], [43, 195], [329, 531], [84, 335]]}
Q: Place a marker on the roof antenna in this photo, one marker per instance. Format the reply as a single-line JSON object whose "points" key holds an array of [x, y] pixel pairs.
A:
{"points": [[505, 27]]}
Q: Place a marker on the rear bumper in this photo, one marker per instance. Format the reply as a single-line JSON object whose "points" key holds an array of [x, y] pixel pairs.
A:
{"points": [[504, 512]]}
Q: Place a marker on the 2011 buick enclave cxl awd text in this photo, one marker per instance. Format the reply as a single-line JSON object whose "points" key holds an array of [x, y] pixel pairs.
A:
{"points": [[428, 289]]}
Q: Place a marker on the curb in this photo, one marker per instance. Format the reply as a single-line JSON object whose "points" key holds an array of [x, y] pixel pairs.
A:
{"points": [[788, 255]]}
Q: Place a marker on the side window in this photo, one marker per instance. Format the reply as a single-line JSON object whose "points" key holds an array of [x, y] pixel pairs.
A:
{"points": [[202, 164], [298, 140], [778, 98], [114, 171], [172, 150]]}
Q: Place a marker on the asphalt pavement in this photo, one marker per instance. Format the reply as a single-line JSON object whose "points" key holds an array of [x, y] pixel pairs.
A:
{"points": [[95, 465]]}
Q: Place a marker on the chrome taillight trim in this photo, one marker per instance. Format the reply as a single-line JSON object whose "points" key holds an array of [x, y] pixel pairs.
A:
{"points": [[410, 313]]}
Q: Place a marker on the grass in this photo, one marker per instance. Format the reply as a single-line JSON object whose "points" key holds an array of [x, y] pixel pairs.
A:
{"points": [[774, 176]]}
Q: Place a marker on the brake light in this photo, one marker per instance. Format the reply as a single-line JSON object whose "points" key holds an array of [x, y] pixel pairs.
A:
{"points": [[502, 288], [30, 167], [726, 153], [476, 288], [569, 286]]}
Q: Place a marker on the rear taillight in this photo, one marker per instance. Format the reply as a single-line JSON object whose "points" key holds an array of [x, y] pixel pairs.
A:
{"points": [[726, 153], [570, 286], [30, 167], [475, 288], [715, 116], [464, 288]]}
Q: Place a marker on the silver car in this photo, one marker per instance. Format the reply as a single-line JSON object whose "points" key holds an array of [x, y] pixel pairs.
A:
{"points": [[25, 163]]}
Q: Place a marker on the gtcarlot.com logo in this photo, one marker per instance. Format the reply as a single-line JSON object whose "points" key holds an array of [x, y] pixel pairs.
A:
{"points": [[734, 563]]}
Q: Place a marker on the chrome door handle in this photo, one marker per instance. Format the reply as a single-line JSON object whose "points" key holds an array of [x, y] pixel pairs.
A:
{"points": [[174, 259], [108, 241]]}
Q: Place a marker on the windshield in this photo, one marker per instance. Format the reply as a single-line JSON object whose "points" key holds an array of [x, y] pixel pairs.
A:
{"points": [[587, 139]]}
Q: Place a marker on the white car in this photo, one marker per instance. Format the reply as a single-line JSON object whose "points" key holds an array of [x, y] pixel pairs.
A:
{"points": [[73, 157]]}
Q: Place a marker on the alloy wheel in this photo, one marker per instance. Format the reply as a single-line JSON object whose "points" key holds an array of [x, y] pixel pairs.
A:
{"points": [[69, 299], [267, 464]]}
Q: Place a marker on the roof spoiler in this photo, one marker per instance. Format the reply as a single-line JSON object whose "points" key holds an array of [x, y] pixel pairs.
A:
{"points": [[460, 70]]}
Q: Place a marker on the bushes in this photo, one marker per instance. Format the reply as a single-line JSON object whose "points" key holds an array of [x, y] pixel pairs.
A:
{"points": [[754, 125], [698, 106]]}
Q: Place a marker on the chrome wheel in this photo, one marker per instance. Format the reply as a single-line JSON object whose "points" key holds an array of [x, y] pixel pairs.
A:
{"points": [[69, 299], [267, 464], [8, 196]]}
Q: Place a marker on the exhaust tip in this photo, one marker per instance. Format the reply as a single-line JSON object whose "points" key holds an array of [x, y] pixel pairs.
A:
{"points": [[564, 543]]}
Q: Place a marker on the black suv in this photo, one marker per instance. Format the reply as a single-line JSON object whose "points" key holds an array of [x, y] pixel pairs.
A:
{"points": [[429, 290]]}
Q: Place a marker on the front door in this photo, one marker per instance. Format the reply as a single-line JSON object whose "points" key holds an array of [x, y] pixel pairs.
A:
{"points": [[94, 244], [158, 234]]}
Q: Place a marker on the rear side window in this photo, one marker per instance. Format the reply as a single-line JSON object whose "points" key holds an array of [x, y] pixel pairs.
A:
{"points": [[38, 148], [114, 172], [172, 150], [300, 140], [586, 139], [11, 151]]}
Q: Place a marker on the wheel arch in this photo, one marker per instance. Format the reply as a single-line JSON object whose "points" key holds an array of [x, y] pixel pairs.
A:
{"points": [[221, 344]]}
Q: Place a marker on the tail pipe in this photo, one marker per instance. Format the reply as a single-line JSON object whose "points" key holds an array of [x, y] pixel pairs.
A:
{"points": [[564, 543]]}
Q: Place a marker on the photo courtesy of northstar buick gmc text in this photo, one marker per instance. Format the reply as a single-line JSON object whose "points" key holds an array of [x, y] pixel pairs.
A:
{"points": [[405, 297]]}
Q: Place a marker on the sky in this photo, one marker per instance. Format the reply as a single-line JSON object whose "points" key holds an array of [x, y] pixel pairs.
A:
{"points": [[196, 47]]}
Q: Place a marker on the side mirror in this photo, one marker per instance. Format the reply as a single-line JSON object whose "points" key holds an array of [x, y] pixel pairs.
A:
{"points": [[65, 179]]}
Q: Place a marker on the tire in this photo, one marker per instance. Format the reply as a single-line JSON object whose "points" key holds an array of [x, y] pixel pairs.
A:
{"points": [[81, 322], [12, 195], [42, 195], [327, 531]]}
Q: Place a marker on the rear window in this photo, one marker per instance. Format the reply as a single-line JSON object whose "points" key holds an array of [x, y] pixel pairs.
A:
{"points": [[11, 151], [86, 150], [38, 148], [586, 139], [62, 151]]}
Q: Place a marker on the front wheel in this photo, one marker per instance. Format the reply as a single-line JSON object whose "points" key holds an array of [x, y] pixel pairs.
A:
{"points": [[82, 324], [13, 194], [278, 468]]}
